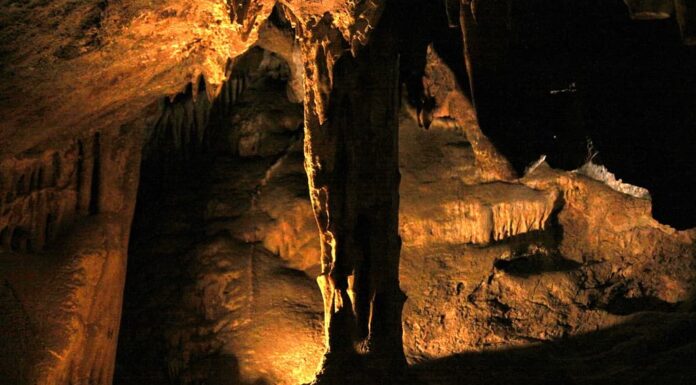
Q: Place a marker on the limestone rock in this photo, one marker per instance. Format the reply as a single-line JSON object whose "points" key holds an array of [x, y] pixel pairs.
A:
{"points": [[83, 66]]}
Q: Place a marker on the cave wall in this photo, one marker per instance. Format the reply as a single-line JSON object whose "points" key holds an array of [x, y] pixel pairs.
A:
{"points": [[90, 89], [222, 250], [71, 67], [67, 222]]}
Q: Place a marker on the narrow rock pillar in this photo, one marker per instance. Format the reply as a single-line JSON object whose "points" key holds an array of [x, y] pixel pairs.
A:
{"points": [[351, 159]]}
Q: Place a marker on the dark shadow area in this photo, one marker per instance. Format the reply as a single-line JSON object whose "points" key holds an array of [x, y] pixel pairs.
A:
{"points": [[526, 266], [171, 176], [421, 24], [621, 305], [546, 258], [649, 348], [566, 73], [570, 79]]}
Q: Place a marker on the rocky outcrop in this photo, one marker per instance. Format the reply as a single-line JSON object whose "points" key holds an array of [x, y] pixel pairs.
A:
{"points": [[45, 193], [66, 219], [229, 310], [599, 262], [447, 105], [195, 108]]}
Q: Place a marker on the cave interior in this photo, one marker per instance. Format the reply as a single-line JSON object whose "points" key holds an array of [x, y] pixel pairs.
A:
{"points": [[347, 192]]}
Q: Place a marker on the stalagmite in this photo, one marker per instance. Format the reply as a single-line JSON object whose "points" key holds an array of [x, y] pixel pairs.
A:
{"points": [[351, 158]]}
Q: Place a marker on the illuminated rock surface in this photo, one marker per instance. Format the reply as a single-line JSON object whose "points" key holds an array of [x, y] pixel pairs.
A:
{"points": [[174, 176]]}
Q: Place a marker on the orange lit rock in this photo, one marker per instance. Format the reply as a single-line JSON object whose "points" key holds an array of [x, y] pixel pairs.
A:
{"points": [[600, 260], [64, 269], [448, 106], [78, 68], [234, 177]]}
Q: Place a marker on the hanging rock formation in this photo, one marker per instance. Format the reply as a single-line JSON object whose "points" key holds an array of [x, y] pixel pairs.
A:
{"points": [[66, 227], [90, 65], [351, 141], [165, 166]]}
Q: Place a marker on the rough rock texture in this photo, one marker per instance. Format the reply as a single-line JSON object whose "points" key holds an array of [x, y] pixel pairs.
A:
{"points": [[615, 355], [67, 221], [228, 310], [584, 268], [236, 306], [351, 159], [584, 273], [547, 257], [447, 104], [566, 78], [467, 208], [551, 277], [67, 210], [45, 193], [83, 68], [84, 65]]}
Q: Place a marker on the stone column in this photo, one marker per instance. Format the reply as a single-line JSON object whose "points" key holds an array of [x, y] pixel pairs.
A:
{"points": [[351, 159]]}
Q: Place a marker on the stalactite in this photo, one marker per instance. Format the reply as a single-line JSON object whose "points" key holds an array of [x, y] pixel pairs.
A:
{"points": [[36, 188], [182, 129], [80, 194], [350, 143]]}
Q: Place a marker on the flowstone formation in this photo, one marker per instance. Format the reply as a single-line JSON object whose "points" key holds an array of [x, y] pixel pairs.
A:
{"points": [[219, 288], [329, 192]]}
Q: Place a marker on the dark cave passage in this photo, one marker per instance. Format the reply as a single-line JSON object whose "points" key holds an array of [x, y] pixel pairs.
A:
{"points": [[557, 76], [569, 80]]}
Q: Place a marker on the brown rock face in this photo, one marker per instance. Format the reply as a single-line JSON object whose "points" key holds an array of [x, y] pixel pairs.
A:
{"points": [[165, 166], [66, 223], [72, 65], [350, 143]]}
